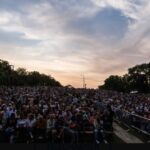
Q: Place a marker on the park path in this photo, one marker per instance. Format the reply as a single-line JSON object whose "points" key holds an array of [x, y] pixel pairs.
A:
{"points": [[124, 135]]}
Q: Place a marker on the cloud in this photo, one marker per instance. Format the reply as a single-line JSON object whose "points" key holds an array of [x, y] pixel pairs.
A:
{"points": [[67, 38], [107, 25], [129, 8], [14, 38]]}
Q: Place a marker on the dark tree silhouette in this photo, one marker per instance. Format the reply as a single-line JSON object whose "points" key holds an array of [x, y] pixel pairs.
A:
{"points": [[21, 77], [138, 78]]}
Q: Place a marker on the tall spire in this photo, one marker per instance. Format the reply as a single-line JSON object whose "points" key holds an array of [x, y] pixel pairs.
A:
{"points": [[84, 84]]}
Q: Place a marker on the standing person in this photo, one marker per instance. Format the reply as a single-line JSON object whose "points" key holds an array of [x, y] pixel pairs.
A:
{"points": [[21, 127], [10, 128], [50, 125], [40, 129], [98, 129], [108, 118], [30, 125], [59, 126]]}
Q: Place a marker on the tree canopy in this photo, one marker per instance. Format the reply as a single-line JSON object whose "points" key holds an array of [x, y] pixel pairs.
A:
{"points": [[137, 79], [20, 77]]}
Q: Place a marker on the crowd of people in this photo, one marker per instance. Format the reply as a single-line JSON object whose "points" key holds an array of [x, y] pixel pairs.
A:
{"points": [[59, 114], [138, 104], [130, 109], [35, 114]]}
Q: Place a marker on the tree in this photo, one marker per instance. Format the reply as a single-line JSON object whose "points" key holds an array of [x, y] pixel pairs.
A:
{"points": [[21, 77], [137, 78], [5, 72], [114, 83]]}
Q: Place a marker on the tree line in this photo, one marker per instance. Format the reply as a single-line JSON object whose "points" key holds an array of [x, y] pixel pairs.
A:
{"points": [[22, 77], [137, 79]]}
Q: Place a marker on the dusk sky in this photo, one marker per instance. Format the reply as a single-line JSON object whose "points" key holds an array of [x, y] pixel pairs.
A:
{"points": [[69, 38]]}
